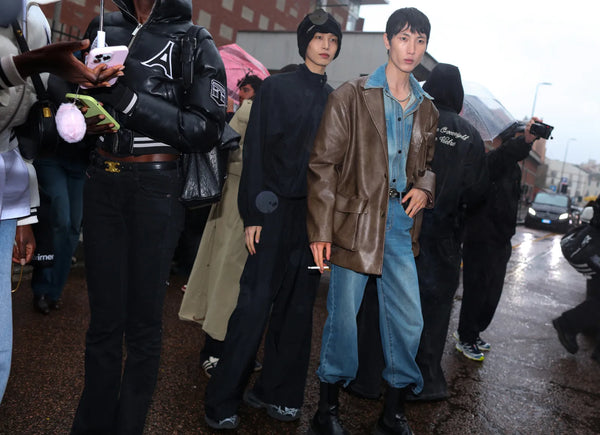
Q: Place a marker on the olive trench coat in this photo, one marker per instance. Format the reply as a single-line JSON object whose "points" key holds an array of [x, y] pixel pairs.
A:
{"points": [[214, 283], [348, 186]]}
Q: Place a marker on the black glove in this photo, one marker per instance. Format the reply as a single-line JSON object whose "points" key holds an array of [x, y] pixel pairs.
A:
{"points": [[118, 96]]}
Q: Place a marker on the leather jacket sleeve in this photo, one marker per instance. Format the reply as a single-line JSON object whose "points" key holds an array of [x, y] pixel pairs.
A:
{"points": [[323, 169], [190, 121], [424, 178], [196, 125]]}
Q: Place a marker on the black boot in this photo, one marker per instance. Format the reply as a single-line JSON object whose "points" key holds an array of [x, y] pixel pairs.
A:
{"points": [[326, 421], [393, 420], [40, 304]]}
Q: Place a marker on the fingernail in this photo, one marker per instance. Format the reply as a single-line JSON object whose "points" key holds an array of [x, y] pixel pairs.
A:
{"points": [[22, 262]]}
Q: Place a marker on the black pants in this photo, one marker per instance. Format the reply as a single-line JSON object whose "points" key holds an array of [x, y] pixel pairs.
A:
{"points": [[276, 287], [585, 316], [132, 221], [438, 265], [484, 268]]}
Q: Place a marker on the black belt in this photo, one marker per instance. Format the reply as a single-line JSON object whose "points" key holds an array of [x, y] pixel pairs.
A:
{"points": [[114, 166]]}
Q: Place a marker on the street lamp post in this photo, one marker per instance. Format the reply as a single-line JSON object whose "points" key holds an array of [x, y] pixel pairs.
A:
{"points": [[535, 96], [562, 171]]}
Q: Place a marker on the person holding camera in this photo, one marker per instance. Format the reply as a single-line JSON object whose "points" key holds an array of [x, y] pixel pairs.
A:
{"points": [[486, 244]]}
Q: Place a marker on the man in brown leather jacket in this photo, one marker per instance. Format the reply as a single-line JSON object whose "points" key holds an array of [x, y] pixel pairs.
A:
{"points": [[369, 177]]}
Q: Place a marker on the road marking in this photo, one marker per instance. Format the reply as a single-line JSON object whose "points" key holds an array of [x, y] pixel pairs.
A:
{"points": [[536, 240]]}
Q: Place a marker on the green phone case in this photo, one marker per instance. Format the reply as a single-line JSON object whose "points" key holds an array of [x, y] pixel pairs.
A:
{"points": [[94, 108]]}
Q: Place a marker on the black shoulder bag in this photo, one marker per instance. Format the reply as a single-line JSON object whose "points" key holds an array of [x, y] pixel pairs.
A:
{"points": [[204, 173], [39, 131]]}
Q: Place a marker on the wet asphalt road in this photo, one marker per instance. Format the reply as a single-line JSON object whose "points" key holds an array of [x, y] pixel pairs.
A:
{"points": [[528, 384]]}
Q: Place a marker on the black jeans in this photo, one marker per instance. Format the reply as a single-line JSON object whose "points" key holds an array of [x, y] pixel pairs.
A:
{"points": [[275, 287], [438, 266], [584, 317], [132, 221], [484, 267]]}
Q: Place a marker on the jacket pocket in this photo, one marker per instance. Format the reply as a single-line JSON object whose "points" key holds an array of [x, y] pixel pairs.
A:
{"points": [[346, 219]]}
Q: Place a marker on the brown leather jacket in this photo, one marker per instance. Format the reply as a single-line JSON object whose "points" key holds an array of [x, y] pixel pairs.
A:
{"points": [[348, 175]]}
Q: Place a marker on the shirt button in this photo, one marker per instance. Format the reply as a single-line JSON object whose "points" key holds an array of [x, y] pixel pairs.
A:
{"points": [[394, 180], [399, 119], [399, 151]]}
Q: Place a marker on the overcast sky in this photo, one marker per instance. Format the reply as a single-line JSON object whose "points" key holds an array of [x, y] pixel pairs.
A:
{"points": [[510, 47]]}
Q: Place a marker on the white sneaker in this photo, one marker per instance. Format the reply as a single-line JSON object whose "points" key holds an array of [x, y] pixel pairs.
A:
{"points": [[209, 365], [483, 346], [469, 350]]}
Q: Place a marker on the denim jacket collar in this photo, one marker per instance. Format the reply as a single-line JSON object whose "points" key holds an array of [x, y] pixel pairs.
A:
{"points": [[378, 80]]}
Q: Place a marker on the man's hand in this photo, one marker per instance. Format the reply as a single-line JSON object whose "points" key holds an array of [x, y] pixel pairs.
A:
{"points": [[58, 59], [417, 199], [24, 245], [252, 237], [321, 251], [529, 138]]}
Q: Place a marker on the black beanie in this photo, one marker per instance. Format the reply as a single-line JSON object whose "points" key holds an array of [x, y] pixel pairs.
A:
{"points": [[317, 21]]}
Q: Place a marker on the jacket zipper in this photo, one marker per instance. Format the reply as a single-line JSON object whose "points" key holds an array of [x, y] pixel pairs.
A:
{"points": [[139, 25]]}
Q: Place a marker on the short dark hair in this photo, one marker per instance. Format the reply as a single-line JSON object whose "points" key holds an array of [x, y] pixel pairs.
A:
{"points": [[416, 21], [252, 80]]}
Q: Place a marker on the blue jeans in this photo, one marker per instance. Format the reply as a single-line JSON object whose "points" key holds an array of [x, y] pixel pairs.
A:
{"points": [[400, 319], [62, 182], [7, 240]]}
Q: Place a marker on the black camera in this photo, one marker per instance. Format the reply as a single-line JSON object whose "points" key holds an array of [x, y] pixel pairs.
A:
{"points": [[541, 130]]}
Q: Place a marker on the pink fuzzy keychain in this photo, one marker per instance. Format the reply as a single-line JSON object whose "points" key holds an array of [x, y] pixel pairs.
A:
{"points": [[70, 123]]}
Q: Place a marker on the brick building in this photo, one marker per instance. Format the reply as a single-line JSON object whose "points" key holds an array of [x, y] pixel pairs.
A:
{"points": [[223, 18]]}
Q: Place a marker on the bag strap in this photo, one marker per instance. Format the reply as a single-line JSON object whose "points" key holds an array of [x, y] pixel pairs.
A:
{"points": [[230, 138], [40, 90], [189, 42]]}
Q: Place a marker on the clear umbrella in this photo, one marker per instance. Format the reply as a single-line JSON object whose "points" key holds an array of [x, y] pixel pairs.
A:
{"points": [[484, 111]]}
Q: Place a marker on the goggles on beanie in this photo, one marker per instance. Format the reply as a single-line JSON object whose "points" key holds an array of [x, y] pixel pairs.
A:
{"points": [[317, 18]]}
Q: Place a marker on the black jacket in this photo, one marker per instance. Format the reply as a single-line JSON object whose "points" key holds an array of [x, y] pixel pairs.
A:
{"points": [[191, 121], [281, 130], [459, 159], [496, 218]]}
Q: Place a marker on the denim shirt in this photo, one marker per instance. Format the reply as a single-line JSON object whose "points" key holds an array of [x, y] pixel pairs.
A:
{"points": [[398, 123]]}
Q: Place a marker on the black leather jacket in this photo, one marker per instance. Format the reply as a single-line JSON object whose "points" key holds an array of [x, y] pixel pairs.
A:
{"points": [[188, 121]]}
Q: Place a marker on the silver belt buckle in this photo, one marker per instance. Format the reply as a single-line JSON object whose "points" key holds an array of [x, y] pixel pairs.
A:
{"points": [[394, 193]]}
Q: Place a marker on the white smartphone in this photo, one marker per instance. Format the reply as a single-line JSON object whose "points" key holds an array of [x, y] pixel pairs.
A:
{"points": [[110, 56]]}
